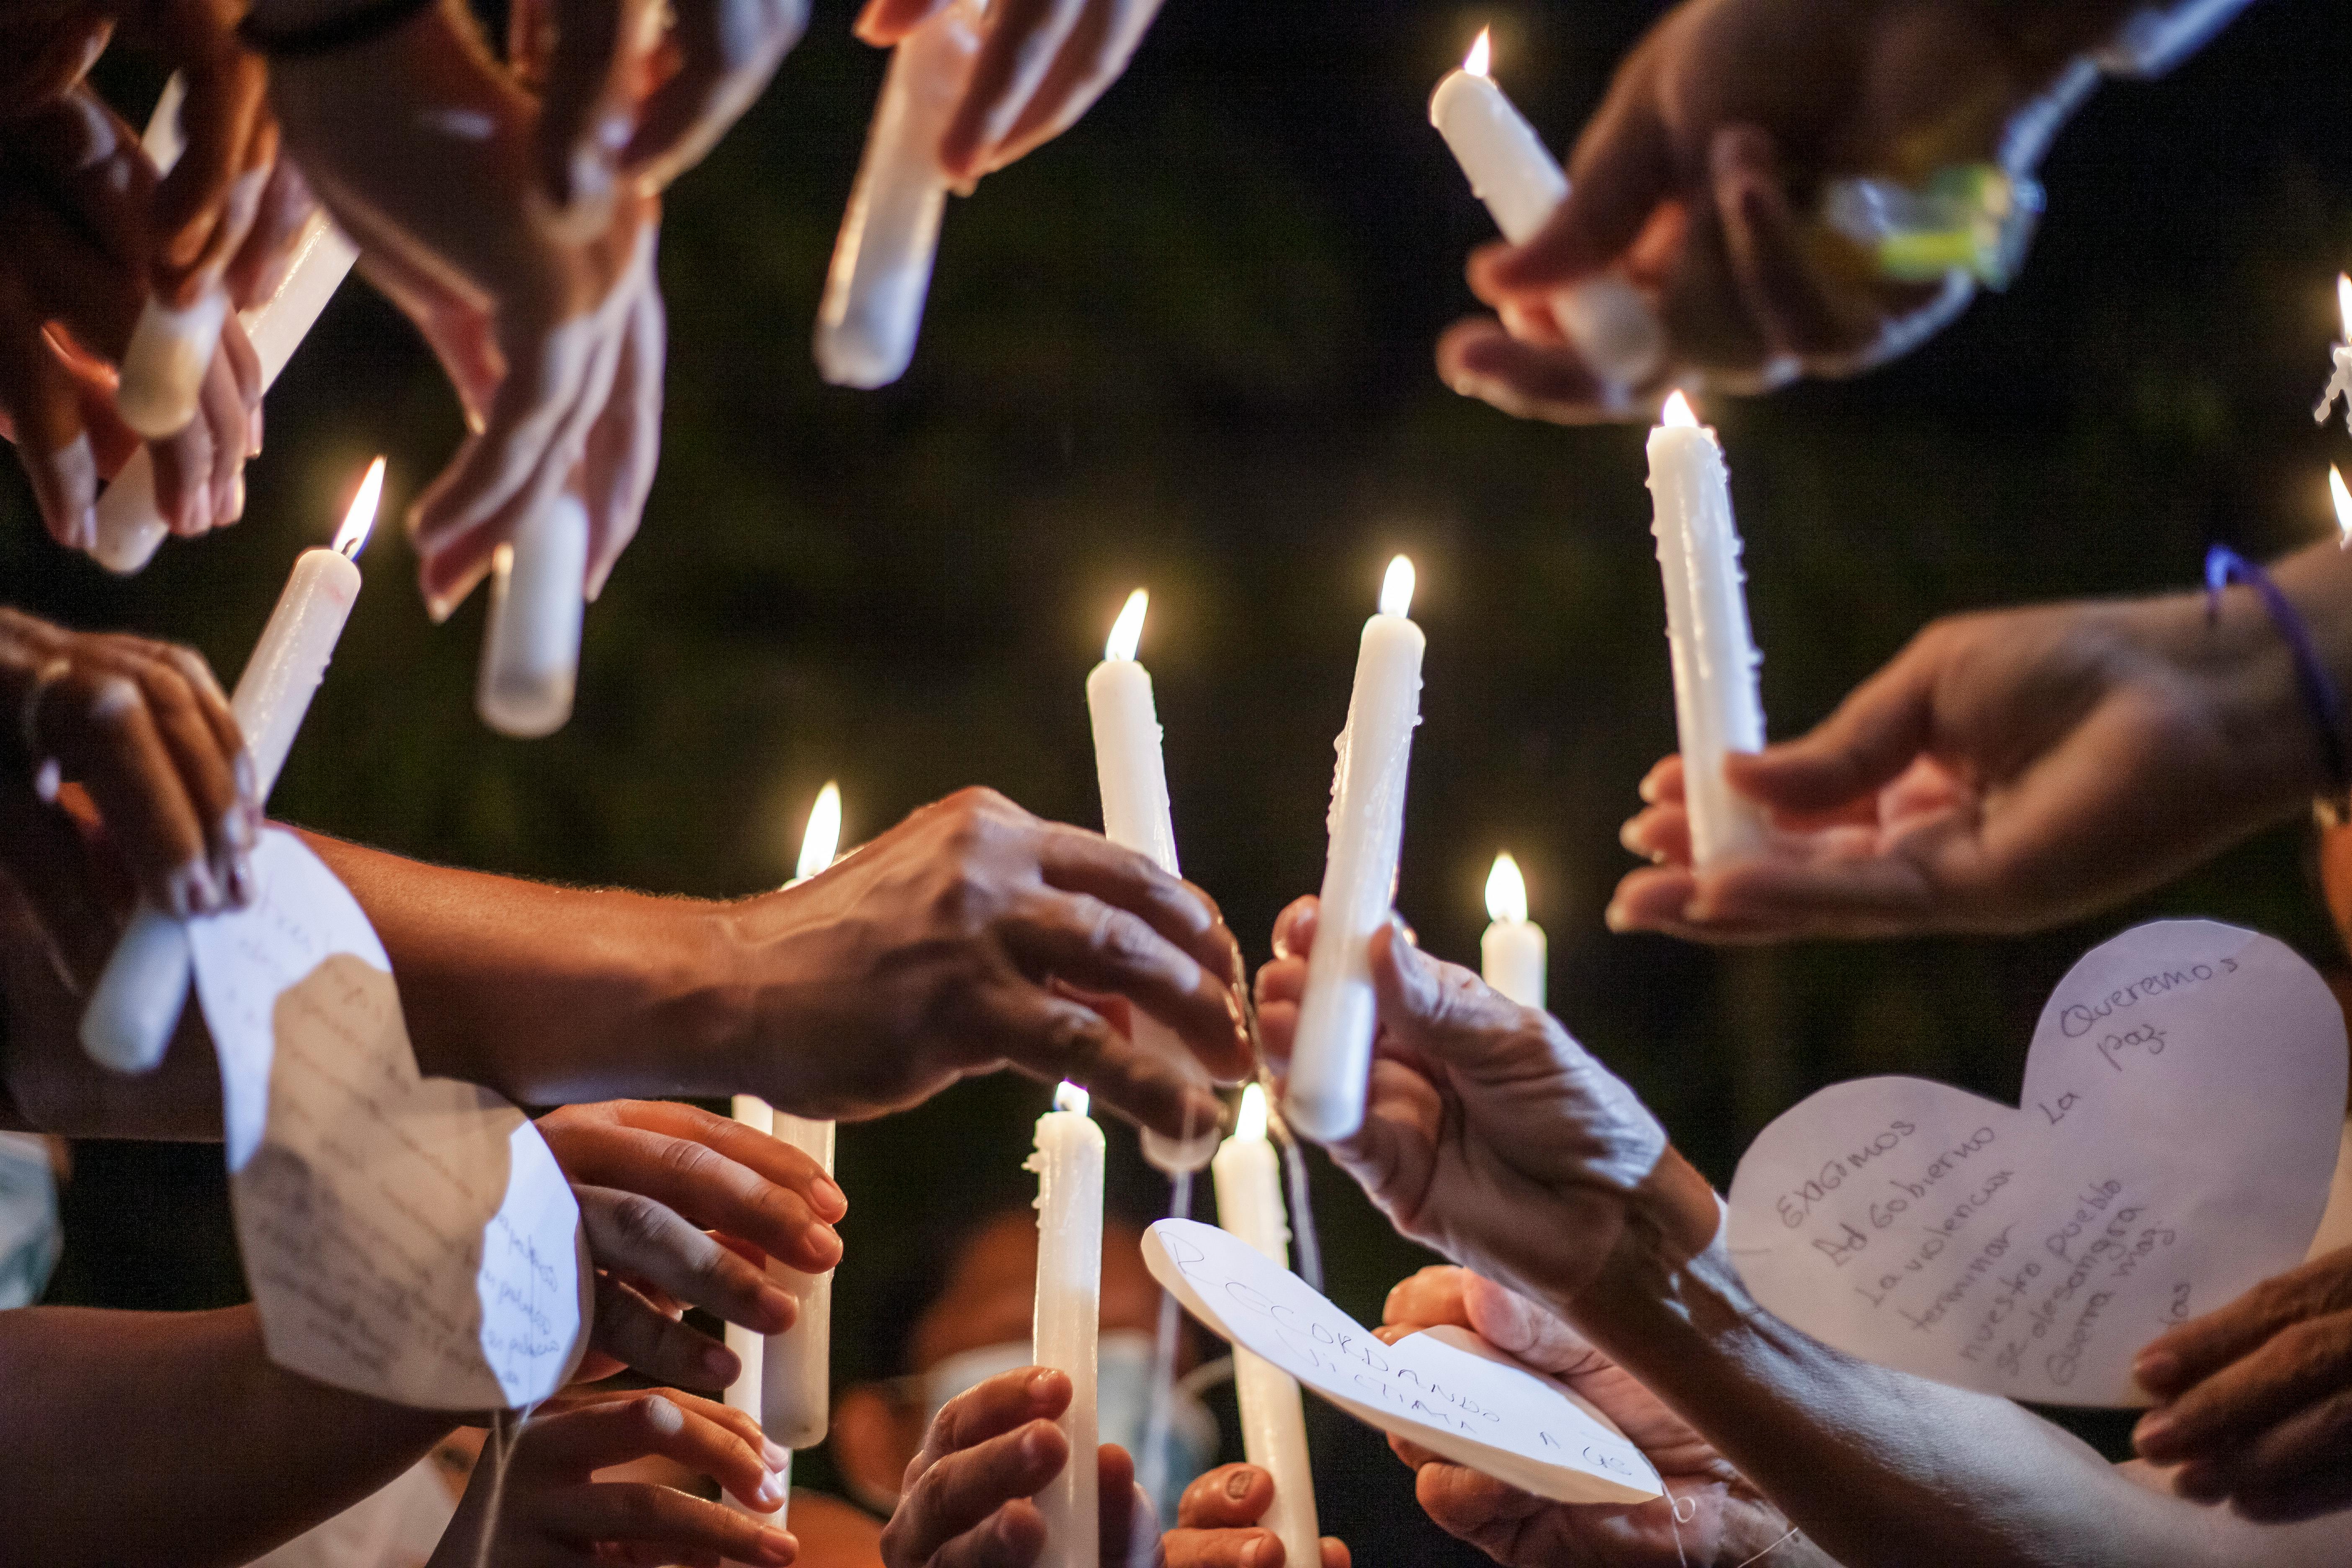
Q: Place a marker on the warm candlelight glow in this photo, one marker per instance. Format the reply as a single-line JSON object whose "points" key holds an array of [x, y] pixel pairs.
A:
{"points": [[1481, 55], [1249, 1123], [1069, 1097], [352, 538], [1396, 588], [822, 835], [2342, 505], [1678, 413], [1126, 632], [1506, 892], [2344, 303]]}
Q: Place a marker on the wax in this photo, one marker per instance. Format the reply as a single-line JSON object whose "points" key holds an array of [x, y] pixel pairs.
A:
{"points": [[130, 528], [748, 1345], [1521, 184], [1716, 709], [796, 1383], [881, 272], [1069, 1165], [1274, 1420], [531, 648], [1513, 953], [1333, 1054], [136, 1004], [1133, 776]]}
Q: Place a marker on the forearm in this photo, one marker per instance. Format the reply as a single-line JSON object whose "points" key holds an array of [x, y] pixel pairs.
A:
{"points": [[170, 1437]]}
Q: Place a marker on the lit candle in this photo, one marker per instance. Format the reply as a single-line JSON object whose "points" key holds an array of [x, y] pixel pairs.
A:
{"points": [[1069, 1167], [1512, 953], [130, 528], [1717, 710], [874, 293], [1134, 779], [137, 1001], [2340, 380], [1521, 184], [1274, 1422], [530, 645], [1333, 1054], [2343, 499]]}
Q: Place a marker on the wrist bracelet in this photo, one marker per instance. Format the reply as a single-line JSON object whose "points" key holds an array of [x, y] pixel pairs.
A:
{"points": [[2224, 566], [345, 29]]}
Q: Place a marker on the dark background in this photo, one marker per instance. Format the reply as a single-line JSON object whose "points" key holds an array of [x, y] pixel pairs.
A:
{"points": [[1188, 346]]}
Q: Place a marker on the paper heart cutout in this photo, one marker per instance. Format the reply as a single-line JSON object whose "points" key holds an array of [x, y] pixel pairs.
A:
{"points": [[1445, 1389], [2179, 1123], [406, 1238]]}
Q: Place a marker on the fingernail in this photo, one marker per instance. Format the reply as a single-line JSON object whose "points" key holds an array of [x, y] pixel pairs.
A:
{"points": [[772, 1489], [2154, 1429], [1033, 1442], [85, 529], [829, 1195], [1040, 1379], [2156, 1369], [1238, 1484], [776, 1455], [253, 432], [1625, 836], [721, 1364], [777, 1306], [1253, 1551], [1615, 918], [235, 507], [1648, 790], [240, 881], [776, 1546], [825, 1242], [193, 892], [439, 608]]}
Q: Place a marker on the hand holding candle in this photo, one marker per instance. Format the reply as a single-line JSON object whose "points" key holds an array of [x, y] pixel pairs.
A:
{"points": [[1716, 709], [1069, 1167], [1333, 1056], [1512, 954], [137, 1001]]}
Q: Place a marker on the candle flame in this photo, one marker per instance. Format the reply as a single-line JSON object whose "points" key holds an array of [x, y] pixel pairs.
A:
{"points": [[822, 835], [1069, 1097], [1481, 55], [1396, 588], [1249, 1123], [352, 538], [2344, 303], [2343, 498], [1677, 412], [1506, 892], [1127, 631]]}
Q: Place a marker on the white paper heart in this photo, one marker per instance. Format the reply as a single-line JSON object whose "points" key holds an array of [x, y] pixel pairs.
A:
{"points": [[406, 1238], [1445, 1389], [2183, 1107]]}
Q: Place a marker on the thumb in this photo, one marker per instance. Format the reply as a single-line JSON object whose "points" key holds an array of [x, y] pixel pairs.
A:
{"points": [[1441, 1010], [1874, 734], [1622, 169], [1518, 1327]]}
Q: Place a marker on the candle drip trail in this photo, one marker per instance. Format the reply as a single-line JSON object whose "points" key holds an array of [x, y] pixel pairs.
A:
{"points": [[1307, 1254]]}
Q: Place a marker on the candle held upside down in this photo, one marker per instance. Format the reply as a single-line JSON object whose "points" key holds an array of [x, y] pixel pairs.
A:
{"points": [[1069, 1167], [137, 1001], [1133, 776], [1512, 171], [530, 647], [1333, 1054], [1716, 708], [1513, 953], [881, 272], [1273, 1418]]}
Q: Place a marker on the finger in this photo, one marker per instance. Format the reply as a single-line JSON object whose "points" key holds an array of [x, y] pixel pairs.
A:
{"points": [[2270, 1476], [1661, 834], [204, 206], [1079, 861], [1012, 1536], [183, 466], [628, 1330], [2197, 1349], [1431, 1296], [727, 53], [587, 96], [961, 1489], [715, 1172], [1226, 1498], [2225, 1411], [994, 1406], [884, 22], [1662, 784], [226, 417], [639, 1238], [258, 269], [1874, 735], [96, 723], [684, 1528], [1470, 1506], [1770, 262], [1244, 1548], [1099, 946], [1051, 1038], [1123, 1513], [626, 447], [1527, 380], [702, 1434], [1023, 39], [1622, 169], [1094, 57], [192, 719], [45, 408], [1656, 899]]}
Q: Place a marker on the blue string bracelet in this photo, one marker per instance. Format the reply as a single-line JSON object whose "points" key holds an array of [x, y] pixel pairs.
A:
{"points": [[2224, 566]]}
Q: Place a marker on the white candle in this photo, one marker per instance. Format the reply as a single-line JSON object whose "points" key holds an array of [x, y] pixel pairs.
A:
{"points": [[163, 368], [748, 1345], [796, 1400], [1069, 1167], [2342, 497], [1512, 954], [136, 1004], [1521, 184], [2339, 379], [881, 272], [130, 528], [1134, 780], [530, 647], [1333, 1054], [1716, 709], [1274, 1421]]}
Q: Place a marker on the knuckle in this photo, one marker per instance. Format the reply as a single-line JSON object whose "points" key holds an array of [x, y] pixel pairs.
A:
{"points": [[640, 1221]]}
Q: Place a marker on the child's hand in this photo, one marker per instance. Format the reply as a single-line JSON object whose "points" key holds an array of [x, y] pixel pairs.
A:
{"points": [[552, 1511]]}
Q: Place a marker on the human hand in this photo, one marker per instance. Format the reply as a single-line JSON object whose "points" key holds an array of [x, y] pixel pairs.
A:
{"points": [[1488, 1133], [2254, 1399], [1699, 176], [1042, 65], [1216, 1524], [652, 1177], [949, 946], [423, 147], [2008, 771], [965, 1501], [550, 1510], [147, 730], [1710, 1514]]}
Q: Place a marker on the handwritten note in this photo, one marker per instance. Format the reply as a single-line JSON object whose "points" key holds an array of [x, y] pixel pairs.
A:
{"points": [[406, 1238], [1445, 1389], [2183, 1100]]}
